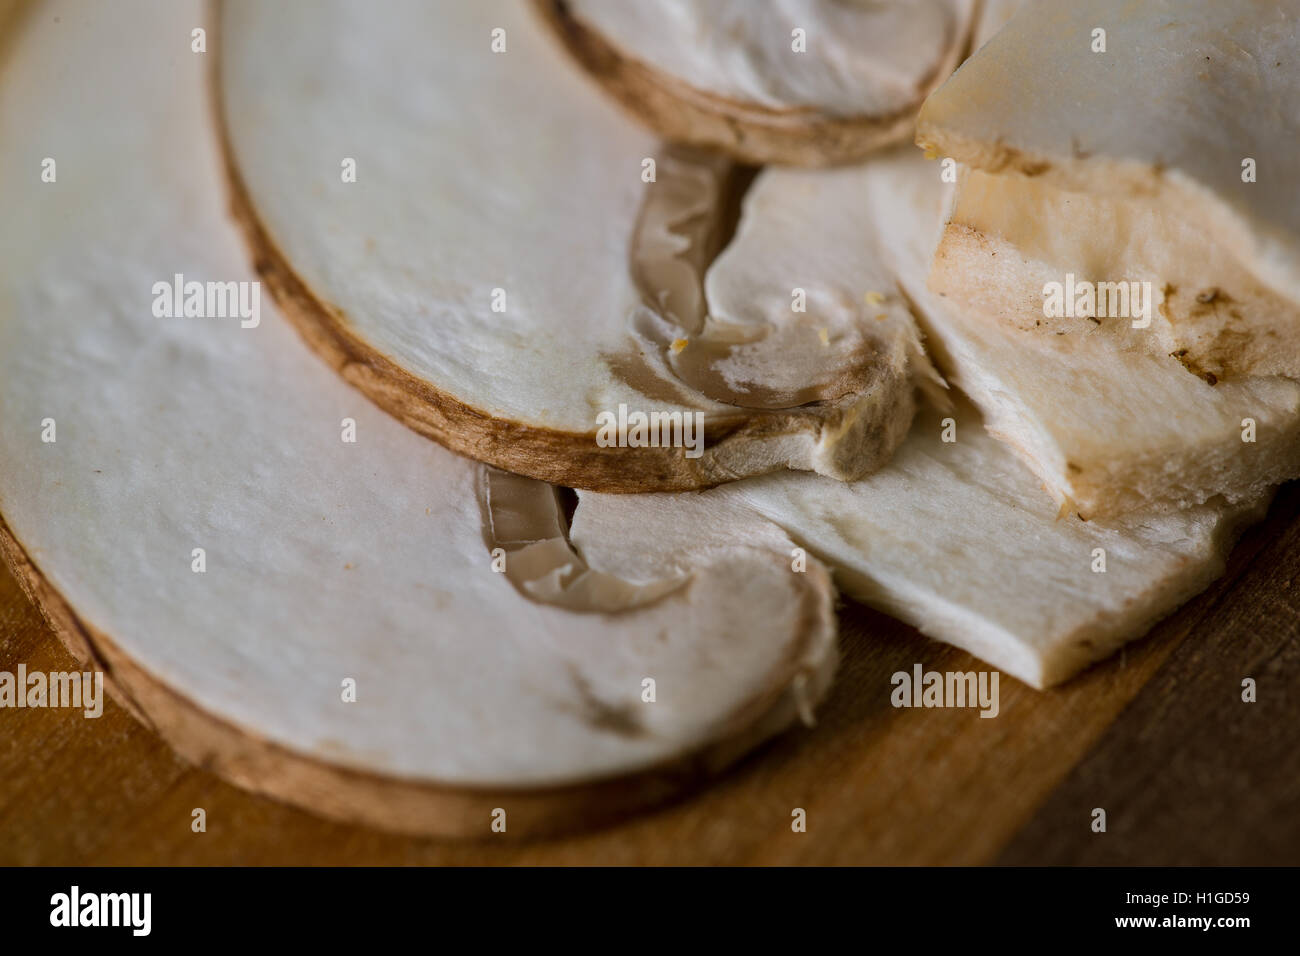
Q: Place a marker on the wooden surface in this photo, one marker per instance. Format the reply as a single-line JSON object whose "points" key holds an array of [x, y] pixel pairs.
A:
{"points": [[1158, 736]]}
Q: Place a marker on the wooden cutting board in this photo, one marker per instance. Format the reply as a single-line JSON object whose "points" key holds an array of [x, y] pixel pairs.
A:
{"points": [[1158, 736]]}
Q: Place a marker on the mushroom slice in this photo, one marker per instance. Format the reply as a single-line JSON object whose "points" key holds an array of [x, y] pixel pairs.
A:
{"points": [[1187, 102], [786, 81], [494, 275], [954, 535], [1010, 238], [959, 540], [1108, 425], [780, 323], [317, 618]]}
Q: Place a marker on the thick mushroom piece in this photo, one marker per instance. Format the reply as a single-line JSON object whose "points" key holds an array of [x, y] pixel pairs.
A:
{"points": [[462, 225], [799, 82], [1125, 267], [1148, 141], [296, 591], [1110, 427]]}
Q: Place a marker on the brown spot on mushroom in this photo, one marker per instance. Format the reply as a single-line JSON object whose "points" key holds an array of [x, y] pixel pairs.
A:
{"points": [[1006, 157], [622, 719]]}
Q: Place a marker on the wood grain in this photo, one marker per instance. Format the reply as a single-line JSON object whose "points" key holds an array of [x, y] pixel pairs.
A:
{"points": [[1158, 735], [1191, 771]]}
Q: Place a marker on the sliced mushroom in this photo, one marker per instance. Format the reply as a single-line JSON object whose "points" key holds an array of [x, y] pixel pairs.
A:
{"points": [[954, 535], [1106, 424], [200, 526], [788, 324], [959, 540], [1009, 238], [1112, 431], [1189, 103], [804, 82], [502, 178]]}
